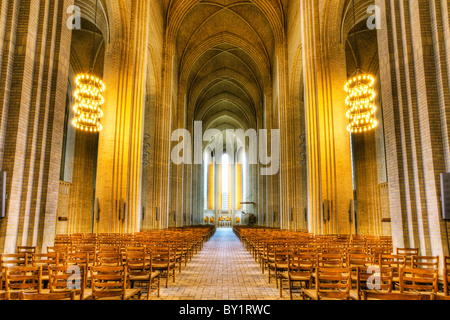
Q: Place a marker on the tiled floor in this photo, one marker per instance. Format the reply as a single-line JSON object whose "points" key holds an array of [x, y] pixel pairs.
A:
{"points": [[223, 270]]}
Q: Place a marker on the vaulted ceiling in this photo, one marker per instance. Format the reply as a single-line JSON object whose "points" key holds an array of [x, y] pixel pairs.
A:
{"points": [[225, 50]]}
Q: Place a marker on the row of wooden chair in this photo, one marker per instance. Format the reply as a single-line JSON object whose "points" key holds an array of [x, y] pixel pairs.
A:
{"points": [[370, 262], [27, 274], [96, 282]]}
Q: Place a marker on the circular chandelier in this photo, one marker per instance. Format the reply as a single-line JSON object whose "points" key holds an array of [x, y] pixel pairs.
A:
{"points": [[89, 95], [360, 102], [89, 100]]}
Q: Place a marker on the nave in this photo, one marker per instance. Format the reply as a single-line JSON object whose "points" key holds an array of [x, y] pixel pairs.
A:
{"points": [[223, 270]]}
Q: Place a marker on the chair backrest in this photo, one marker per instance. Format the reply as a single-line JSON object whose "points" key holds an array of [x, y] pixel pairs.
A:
{"points": [[332, 260], [333, 250], [135, 249], [23, 278], [161, 255], [408, 253], [360, 259], [68, 295], [108, 248], [425, 262], [308, 250], [109, 259], [67, 278], [392, 261], [282, 254], [333, 283], [108, 282], [301, 263], [376, 295], [91, 249], [45, 260], [414, 279], [14, 260], [138, 263], [26, 249], [81, 258]]}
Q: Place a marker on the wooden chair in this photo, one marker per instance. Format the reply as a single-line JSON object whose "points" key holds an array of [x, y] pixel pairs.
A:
{"points": [[300, 270], [375, 295], [69, 278], [446, 275], [269, 253], [371, 278], [45, 260], [418, 280], [69, 295], [12, 260], [392, 261], [140, 269], [91, 250], [19, 279], [279, 263], [109, 283], [163, 261], [330, 283]]}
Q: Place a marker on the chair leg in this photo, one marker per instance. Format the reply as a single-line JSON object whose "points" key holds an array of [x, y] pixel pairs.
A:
{"points": [[276, 277], [290, 289], [281, 288]]}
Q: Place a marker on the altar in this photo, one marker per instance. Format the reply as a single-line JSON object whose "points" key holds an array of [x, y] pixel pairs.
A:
{"points": [[225, 221]]}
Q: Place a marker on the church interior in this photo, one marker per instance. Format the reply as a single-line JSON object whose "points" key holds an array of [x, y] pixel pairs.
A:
{"points": [[149, 149]]}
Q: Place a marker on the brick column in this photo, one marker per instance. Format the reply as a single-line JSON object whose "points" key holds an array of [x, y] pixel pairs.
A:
{"points": [[119, 163], [33, 88], [414, 73]]}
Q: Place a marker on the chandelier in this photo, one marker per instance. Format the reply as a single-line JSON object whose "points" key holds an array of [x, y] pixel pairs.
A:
{"points": [[89, 100], [360, 102], [89, 95], [360, 99]]}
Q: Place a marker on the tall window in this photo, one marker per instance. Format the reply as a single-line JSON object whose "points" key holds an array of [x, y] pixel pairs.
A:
{"points": [[205, 180], [225, 181], [244, 175]]}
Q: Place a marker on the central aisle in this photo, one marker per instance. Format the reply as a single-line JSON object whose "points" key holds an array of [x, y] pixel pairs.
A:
{"points": [[223, 270]]}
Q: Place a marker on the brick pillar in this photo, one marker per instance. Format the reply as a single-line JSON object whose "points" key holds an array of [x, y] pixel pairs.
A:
{"points": [[329, 159], [119, 163], [415, 92], [33, 88]]}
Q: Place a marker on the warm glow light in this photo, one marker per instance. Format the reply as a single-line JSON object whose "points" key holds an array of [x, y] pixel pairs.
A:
{"points": [[89, 100], [361, 103]]}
